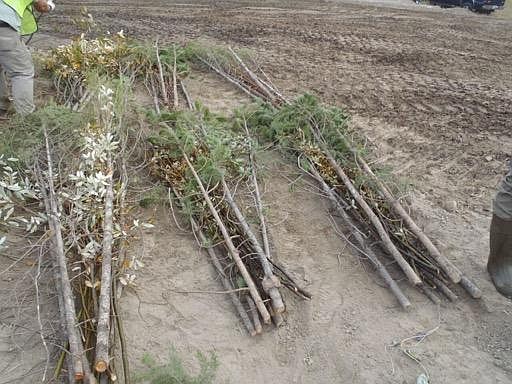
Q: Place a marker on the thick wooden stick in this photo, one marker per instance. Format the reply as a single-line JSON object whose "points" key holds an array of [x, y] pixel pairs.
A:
{"points": [[89, 377], [225, 281], [161, 75], [231, 247], [103, 328], [446, 265], [271, 282], [278, 319], [67, 292], [430, 294], [386, 240], [254, 312], [368, 252], [471, 288], [441, 286]]}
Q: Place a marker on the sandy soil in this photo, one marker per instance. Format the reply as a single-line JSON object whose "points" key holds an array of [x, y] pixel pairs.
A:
{"points": [[431, 89]]}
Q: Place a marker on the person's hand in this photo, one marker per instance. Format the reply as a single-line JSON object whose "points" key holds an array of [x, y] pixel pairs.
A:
{"points": [[43, 6]]}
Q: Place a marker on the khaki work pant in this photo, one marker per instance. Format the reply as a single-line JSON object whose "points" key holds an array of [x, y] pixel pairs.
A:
{"points": [[16, 65]]}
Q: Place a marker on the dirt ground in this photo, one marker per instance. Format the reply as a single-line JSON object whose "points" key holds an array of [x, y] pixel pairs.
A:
{"points": [[432, 90]]}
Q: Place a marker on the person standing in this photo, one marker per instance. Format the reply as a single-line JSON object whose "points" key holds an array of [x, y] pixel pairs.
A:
{"points": [[499, 264], [17, 19]]}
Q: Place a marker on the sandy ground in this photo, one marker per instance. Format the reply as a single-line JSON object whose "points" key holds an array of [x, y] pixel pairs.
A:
{"points": [[431, 89]]}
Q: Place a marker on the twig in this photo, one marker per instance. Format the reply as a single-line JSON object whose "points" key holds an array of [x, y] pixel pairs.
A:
{"points": [[172, 211], [122, 337], [272, 87], [441, 286], [59, 365], [291, 284], [18, 260]]}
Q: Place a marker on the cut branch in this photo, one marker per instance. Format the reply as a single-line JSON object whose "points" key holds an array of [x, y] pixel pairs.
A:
{"points": [[103, 329], [68, 306], [471, 288], [190, 104], [235, 82], [161, 76]]}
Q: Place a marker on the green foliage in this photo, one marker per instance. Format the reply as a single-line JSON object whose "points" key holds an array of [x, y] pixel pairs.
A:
{"points": [[22, 136], [205, 137], [174, 372], [214, 149], [290, 126]]}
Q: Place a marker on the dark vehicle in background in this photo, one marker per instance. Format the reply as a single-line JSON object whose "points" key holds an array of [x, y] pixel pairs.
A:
{"points": [[481, 6]]}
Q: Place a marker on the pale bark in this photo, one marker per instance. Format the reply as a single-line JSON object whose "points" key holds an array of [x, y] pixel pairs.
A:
{"points": [[103, 326]]}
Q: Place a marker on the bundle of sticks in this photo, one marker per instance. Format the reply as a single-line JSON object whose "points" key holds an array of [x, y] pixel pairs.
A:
{"points": [[369, 211], [79, 339], [90, 285], [84, 207], [203, 184]]}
